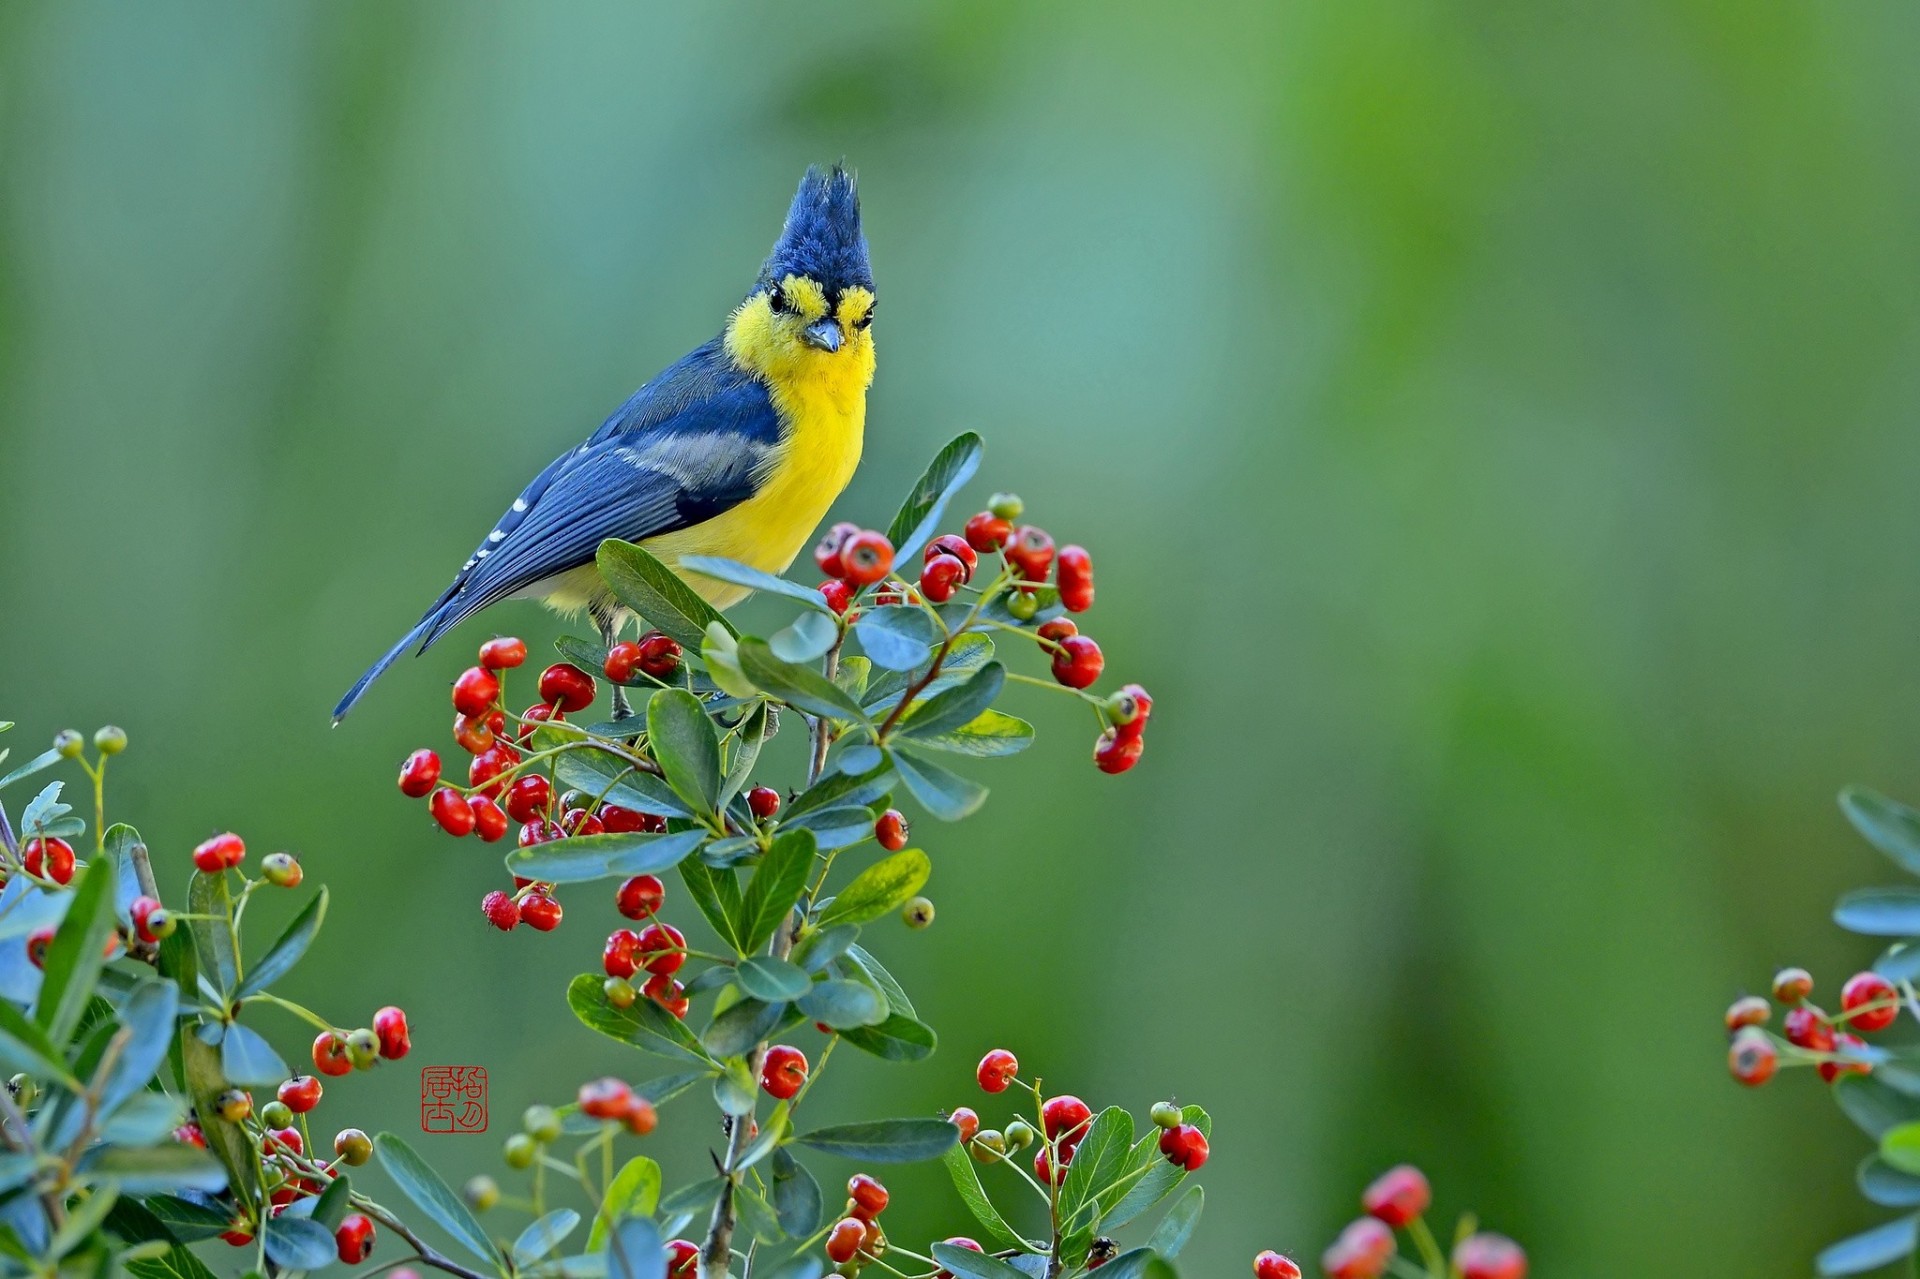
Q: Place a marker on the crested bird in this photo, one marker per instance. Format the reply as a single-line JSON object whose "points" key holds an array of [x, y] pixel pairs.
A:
{"points": [[737, 450]]}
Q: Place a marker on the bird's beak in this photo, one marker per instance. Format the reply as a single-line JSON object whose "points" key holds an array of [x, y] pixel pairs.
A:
{"points": [[822, 334]]}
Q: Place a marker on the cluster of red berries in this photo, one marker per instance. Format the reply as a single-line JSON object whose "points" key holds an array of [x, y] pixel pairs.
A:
{"points": [[336, 1052], [659, 950], [614, 1100], [857, 1238], [1868, 1003], [1397, 1200], [654, 655]]}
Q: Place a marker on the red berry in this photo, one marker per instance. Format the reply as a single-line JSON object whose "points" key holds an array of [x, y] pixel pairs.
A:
{"points": [[867, 557], [640, 896], [1752, 1058], [1398, 1195], [659, 654], [503, 653], [450, 808], [1129, 709], [628, 820], [1361, 1251], [1078, 662], [222, 852], [622, 660], [489, 764], [535, 715], [1065, 1119], [354, 1238], [420, 774], [640, 1117], [617, 958], [868, 1195], [1031, 551], [1185, 1146], [566, 687], [1074, 575], [1046, 1170], [488, 821], [837, 594], [52, 858], [538, 832], [683, 1257], [475, 692], [956, 546], [189, 1134], [528, 797], [1116, 751], [286, 1139], [782, 1073], [996, 1070], [300, 1094], [1057, 629], [1749, 1011], [663, 990], [1874, 997], [1844, 1043], [578, 821], [967, 1120], [37, 943], [473, 733], [540, 912], [141, 913], [1791, 985], [1807, 1027], [941, 578], [845, 1239], [1490, 1256], [662, 948], [891, 830], [827, 554], [501, 910], [605, 1098], [390, 1024], [987, 532], [1271, 1265], [330, 1054], [763, 802]]}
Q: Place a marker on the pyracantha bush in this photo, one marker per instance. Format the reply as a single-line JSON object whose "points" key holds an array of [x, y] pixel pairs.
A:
{"points": [[1876, 1080]]}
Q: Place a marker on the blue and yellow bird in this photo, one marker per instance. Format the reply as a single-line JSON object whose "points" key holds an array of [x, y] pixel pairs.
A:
{"points": [[737, 450]]}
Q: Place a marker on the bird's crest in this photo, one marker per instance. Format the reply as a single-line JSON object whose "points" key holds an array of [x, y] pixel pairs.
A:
{"points": [[822, 238]]}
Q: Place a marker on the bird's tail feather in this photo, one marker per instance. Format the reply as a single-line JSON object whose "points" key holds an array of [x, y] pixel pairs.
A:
{"points": [[374, 672]]}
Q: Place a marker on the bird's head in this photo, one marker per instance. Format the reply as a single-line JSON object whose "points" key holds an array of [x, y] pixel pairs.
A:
{"points": [[813, 303]]}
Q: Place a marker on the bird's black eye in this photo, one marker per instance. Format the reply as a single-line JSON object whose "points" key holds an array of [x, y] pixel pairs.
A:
{"points": [[777, 299]]}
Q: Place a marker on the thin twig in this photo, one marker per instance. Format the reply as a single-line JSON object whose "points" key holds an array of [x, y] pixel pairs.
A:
{"points": [[428, 1255]]}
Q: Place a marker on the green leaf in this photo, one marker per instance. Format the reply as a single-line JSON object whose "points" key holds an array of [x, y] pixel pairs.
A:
{"points": [[544, 1235], [24, 1046], [820, 948], [965, 655], [1880, 912], [796, 1196], [645, 1024], [1886, 1185], [83, 1218], [801, 687], [166, 1168], [175, 1263], [187, 1220], [148, 1013], [843, 1004], [1868, 1250], [837, 790], [1097, 1163], [297, 1243], [775, 888], [634, 1251], [808, 638], [898, 1038], [1158, 1182], [753, 579], [720, 650], [1900, 1147], [1171, 1235], [747, 741], [1875, 1106], [198, 1065], [74, 959], [584, 858], [942, 792], [634, 1192], [600, 772], [286, 952], [885, 1141], [420, 1183], [896, 637], [249, 1060], [968, 1264], [955, 707], [717, 894], [881, 888], [1139, 1263], [1887, 824], [44, 760], [736, 1031], [919, 516], [836, 827], [686, 747], [989, 734], [207, 896], [144, 1119], [331, 1207], [656, 593], [773, 980], [862, 959], [966, 1181]]}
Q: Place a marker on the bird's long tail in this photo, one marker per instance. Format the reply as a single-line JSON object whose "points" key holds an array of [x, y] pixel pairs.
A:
{"points": [[374, 672]]}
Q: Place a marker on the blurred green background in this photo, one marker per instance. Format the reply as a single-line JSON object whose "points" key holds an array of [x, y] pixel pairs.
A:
{"points": [[1494, 424]]}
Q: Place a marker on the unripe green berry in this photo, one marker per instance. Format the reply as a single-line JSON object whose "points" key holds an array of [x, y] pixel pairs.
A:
{"points": [[620, 992], [917, 913], [110, 739], [542, 1123], [519, 1151], [1007, 506], [233, 1105], [363, 1049], [481, 1192], [1023, 605], [23, 1089], [1166, 1115], [161, 923], [574, 799], [989, 1145], [353, 1147], [1020, 1135], [69, 743], [276, 1114], [282, 870]]}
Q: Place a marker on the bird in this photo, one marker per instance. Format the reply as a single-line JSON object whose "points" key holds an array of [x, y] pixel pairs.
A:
{"points": [[737, 450]]}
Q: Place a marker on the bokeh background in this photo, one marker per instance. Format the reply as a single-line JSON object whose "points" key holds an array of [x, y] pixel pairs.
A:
{"points": [[1495, 425]]}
